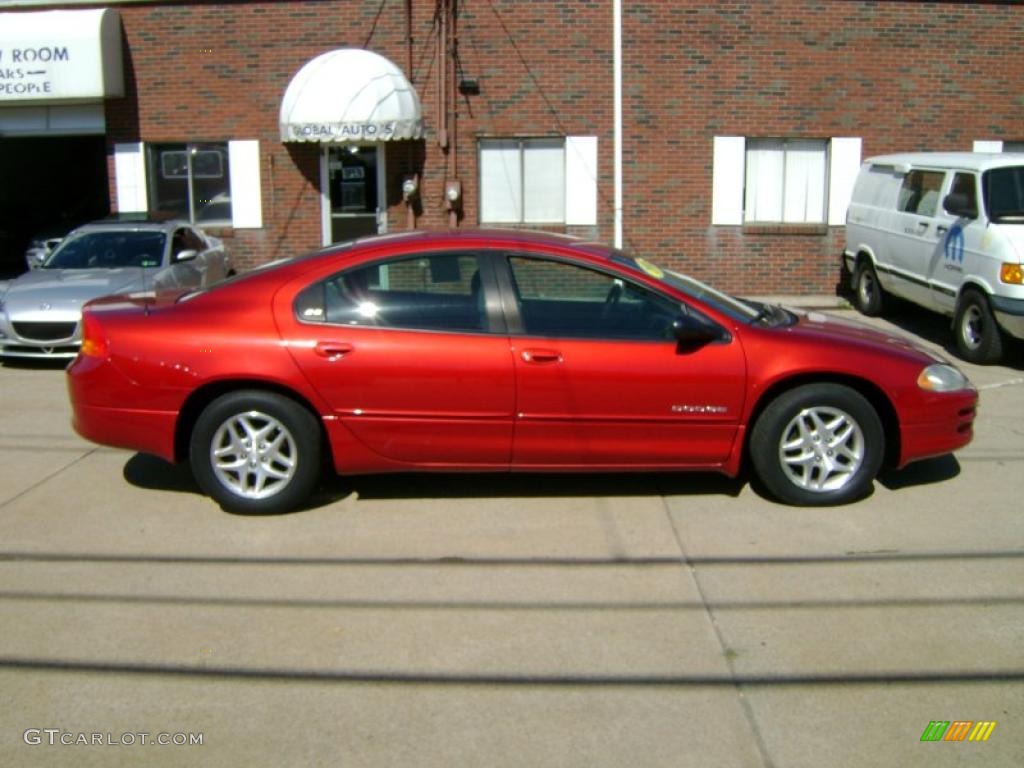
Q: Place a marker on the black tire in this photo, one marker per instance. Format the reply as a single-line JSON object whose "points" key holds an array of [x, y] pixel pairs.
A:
{"points": [[979, 339], [868, 296], [817, 445], [254, 476]]}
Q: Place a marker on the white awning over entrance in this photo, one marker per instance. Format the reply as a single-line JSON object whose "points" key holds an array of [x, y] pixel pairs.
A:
{"points": [[350, 95], [55, 56]]}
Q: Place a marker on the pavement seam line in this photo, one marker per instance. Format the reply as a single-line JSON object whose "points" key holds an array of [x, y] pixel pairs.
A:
{"points": [[1000, 384], [748, 712], [89, 452]]}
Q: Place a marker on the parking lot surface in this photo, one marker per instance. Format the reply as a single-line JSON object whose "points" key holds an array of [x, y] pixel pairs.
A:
{"points": [[639, 620]]}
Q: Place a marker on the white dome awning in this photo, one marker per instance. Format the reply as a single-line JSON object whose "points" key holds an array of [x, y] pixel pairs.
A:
{"points": [[350, 95]]}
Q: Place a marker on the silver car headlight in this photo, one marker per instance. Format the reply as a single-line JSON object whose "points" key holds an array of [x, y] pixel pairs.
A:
{"points": [[943, 377]]}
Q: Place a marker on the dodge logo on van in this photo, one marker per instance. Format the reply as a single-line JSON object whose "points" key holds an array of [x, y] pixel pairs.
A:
{"points": [[945, 231]]}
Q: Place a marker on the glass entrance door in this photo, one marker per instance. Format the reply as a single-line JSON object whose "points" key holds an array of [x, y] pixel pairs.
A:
{"points": [[353, 203]]}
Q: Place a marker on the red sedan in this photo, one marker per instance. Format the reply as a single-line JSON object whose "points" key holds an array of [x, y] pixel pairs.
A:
{"points": [[502, 351]]}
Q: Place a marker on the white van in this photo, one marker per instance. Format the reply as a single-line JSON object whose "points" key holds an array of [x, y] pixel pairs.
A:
{"points": [[946, 231]]}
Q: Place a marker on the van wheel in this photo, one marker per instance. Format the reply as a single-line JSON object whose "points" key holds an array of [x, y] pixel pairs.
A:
{"points": [[867, 291], [978, 336], [256, 452], [818, 444]]}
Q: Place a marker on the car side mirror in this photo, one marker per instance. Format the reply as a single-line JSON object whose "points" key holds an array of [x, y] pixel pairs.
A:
{"points": [[958, 205], [692, 331], [189, 254]]}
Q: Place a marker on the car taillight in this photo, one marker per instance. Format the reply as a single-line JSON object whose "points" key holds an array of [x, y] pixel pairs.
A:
{"points": [[94, 343]]}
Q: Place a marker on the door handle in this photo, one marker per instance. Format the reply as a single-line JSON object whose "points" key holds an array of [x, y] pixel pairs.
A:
{"points": [[541, 356], [941, 230], [332, 350]]}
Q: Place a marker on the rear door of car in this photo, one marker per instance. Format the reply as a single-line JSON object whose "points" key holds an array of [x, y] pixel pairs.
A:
{"points": [[601, 379], [411, 358]]}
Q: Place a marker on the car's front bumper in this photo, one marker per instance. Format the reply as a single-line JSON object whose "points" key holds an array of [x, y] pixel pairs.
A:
{"points": [[52, 341], [946, 424], [1009, 314]]}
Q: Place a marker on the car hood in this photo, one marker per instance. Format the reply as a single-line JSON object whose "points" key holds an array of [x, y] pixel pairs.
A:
{"points": [[57, 294], [826, 327]]}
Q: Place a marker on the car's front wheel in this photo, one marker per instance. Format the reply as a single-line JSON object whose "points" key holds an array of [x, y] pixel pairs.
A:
{"points": [[978, 336], [818, 444], [256, 452]]}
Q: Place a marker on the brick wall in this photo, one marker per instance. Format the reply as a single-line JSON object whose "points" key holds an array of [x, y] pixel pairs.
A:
{"points": [[902, 75]]}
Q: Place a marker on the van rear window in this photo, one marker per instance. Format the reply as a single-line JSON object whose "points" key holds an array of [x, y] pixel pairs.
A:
{"points": [[1004, 193]]}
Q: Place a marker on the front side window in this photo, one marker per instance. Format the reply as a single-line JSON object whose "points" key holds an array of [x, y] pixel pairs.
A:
{"points": [[964, 184], [564, 300], [1004, 193], [440, 292], [190, 181], [522, 181], [785, 181], [919, 193]]}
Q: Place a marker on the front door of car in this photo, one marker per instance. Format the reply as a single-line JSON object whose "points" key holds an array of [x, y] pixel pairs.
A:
{"points": [[406, 355], [960, 245], [602, 379]]}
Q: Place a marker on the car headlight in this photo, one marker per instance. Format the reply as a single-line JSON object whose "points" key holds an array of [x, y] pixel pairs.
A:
{"points": [[942, 377]]}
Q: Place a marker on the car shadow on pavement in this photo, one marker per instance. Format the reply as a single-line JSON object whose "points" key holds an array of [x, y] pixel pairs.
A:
{"points": [[925, 472], [152, 473], [534, 485], [936, 329], [37, 364], [155, 474]]}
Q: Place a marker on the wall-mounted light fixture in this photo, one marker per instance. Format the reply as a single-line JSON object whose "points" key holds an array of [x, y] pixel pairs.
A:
{"points": [[410, 194], [453, 201], [410, 187]]}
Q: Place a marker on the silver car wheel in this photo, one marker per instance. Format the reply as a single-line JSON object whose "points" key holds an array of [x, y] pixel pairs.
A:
{"points": [[253, 455], [821, 449], [971, 327], [866, 287]]}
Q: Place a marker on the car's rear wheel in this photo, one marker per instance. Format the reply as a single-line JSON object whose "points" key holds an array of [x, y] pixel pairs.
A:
{"points": [[256, 452], [978, 336], [868, 296], [818, 444]]}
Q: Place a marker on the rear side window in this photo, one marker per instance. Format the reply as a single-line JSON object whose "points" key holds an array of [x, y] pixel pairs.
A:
{"points": [[920, 192], [876, 186], [440, 292]]}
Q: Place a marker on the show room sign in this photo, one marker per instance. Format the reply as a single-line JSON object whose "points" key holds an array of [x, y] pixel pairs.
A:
{"points": [[58, 55]]}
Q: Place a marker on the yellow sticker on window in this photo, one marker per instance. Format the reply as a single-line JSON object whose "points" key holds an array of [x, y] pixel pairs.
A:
{"points": [[650, 269]]}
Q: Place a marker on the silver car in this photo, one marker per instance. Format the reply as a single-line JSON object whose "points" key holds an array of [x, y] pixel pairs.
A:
{"points": [[40, 310]]}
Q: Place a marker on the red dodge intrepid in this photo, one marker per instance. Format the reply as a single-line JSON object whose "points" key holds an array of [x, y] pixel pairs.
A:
{"points": [[501, 351]]}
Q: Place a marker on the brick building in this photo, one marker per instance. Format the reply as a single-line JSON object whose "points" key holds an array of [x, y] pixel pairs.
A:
{"points": [[741, 127]]}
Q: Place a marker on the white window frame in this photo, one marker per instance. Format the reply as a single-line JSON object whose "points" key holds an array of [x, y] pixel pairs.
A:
{"points": [[518, 191], [728, 193], [773, 174], [244, 179]]}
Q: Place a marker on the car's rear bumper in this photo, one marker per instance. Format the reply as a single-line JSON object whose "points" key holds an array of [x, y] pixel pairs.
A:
{"points": [[137, 430], [106, 409]]}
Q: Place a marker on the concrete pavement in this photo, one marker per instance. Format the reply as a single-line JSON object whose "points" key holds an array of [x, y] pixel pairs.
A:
{"points": [[524, 620]]}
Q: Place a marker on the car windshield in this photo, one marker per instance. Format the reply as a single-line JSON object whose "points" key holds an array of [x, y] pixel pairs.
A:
{"points": [[723, 302], [109, 250], [1004, 194]]}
